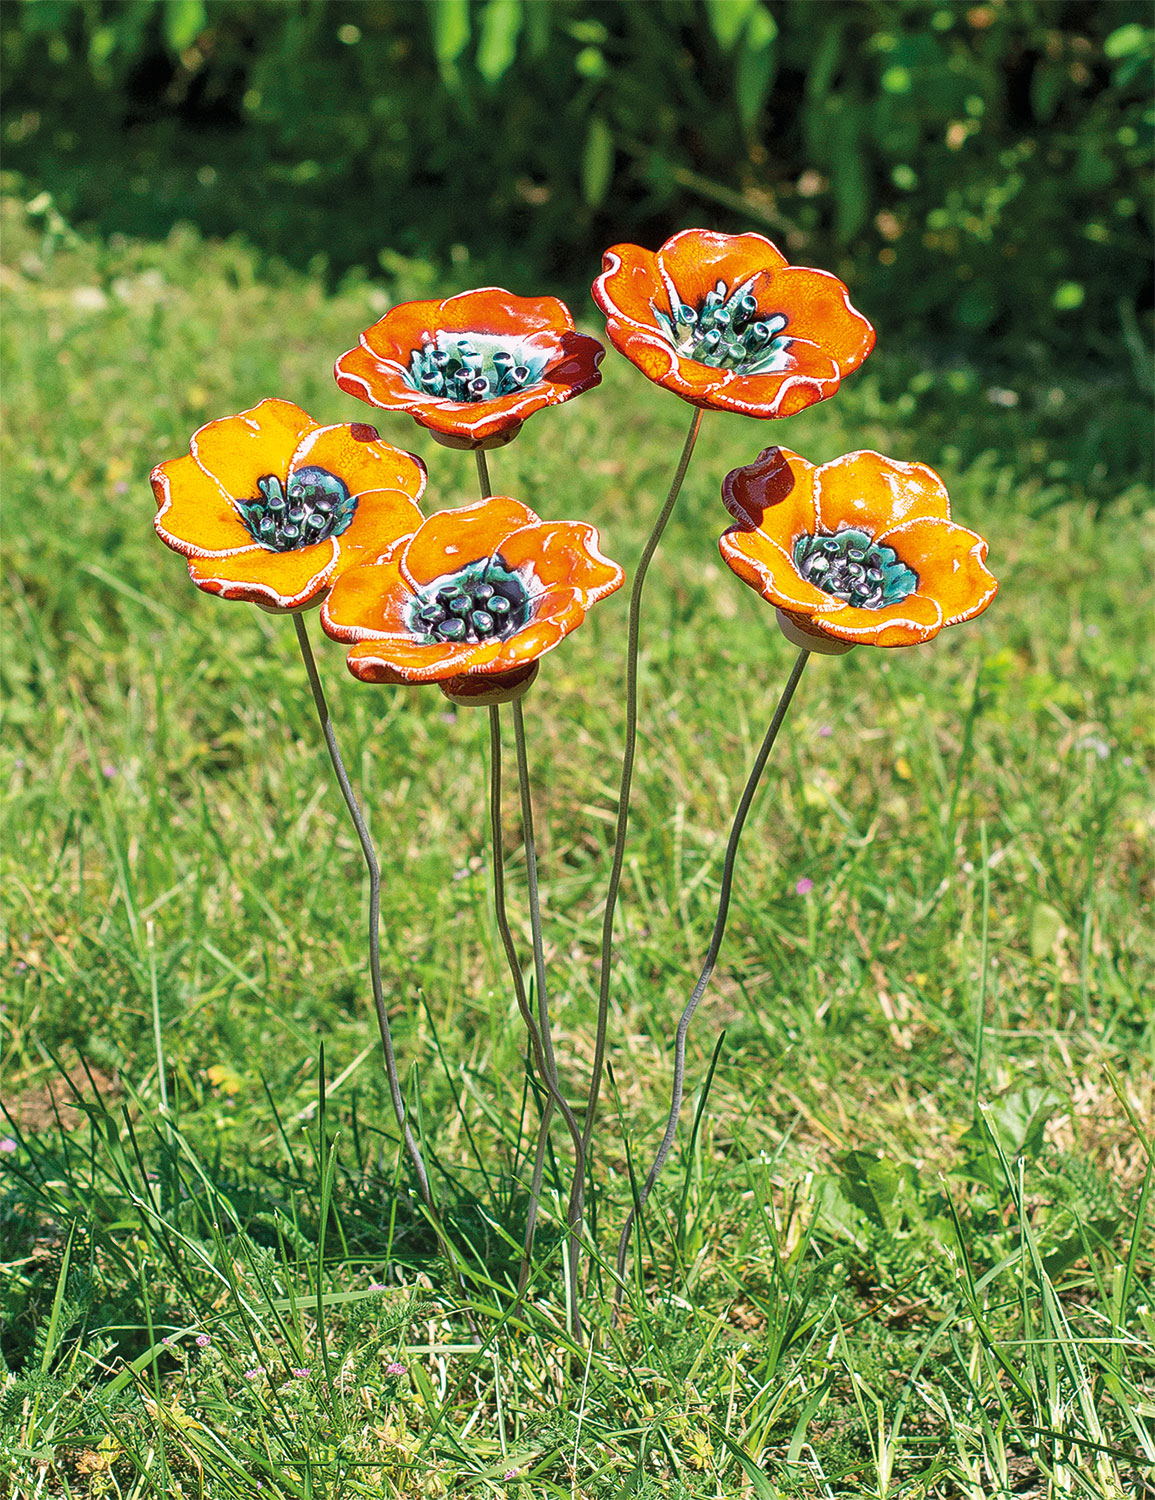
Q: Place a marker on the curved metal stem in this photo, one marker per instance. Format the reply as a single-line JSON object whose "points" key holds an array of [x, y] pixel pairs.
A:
{"points": [[574, 1214], [628, 772], [542, 1060], [343, 782], [708, 966], [482, 472]]}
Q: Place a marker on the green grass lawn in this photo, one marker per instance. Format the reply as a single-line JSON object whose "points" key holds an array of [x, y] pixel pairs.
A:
{"points": [[905, 1249]]}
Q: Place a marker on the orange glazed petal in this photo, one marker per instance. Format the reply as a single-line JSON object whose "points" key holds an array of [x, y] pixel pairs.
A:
{"points": [[357, 456], [759, 561], [866, 489], [369, 375], [237, 451], [950, 562], [398, 661], [631, 278], [450, 539], [194, 514], [491, 309], [695, 260], [563, 553], [368, 602], [776, 493], [780, 395], [382, 519], [278, 580], [916, 619], [556, 613], [403, 329], [818, 308]]}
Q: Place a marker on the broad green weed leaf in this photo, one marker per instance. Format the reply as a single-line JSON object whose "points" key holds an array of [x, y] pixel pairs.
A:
{"points": [[1046, 924], [872, 1183], [449, 20]]}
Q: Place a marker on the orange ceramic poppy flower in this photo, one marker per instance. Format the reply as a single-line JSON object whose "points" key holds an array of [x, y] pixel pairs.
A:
{"points": [[472, 368], [269, 506], [725, 322], [480, 592], [861, 550]]}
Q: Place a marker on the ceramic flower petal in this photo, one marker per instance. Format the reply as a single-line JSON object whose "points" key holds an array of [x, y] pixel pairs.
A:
{"points": [[472, 367], [483, 591], [861, 550], [726, 323], [270, 506]]}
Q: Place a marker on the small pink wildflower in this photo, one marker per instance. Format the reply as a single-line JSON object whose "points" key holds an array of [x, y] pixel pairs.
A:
{"points": [[396, 1369], [8, 1144], [302, 1374], [376, 1286], [254, 1373], [204, 1340], [804, 886], [511, 1473], [825, 732]]}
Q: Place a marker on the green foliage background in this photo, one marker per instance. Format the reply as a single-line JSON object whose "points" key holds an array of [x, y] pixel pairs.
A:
{"points": [[977, 172]]}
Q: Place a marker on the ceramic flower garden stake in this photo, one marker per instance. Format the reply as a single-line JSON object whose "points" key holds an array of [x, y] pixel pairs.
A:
{"points": [[270, 507], [727, 324], [472, 601], [859, 551]]}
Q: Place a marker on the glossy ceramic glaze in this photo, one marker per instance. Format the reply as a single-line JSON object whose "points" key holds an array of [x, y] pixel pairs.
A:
{"points": [[270, 506], [897, 568], [472, 367], [725, 322], [428, 610]]}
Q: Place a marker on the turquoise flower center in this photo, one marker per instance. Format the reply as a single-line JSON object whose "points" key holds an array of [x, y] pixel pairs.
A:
{"points": [[727, 331], [313, 506], [487, 601], [852, 566], [473, 366]]}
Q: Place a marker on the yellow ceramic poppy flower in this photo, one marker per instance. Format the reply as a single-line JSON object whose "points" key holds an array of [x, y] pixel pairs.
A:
{"points": [[270, 506], [861, 550]]}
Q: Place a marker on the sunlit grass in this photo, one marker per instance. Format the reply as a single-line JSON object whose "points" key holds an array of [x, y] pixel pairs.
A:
{"points": [[907, 1249]]}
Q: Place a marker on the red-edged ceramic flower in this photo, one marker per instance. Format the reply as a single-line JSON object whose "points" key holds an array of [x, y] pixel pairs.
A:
{"points": [[472, 368], [725, 322], [861, 550], [471, 600], [269, 506]]}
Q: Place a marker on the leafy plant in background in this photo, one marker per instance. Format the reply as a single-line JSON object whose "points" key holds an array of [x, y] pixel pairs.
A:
{"points": [[978, 169]]}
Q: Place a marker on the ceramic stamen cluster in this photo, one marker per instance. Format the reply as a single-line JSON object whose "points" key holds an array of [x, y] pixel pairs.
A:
{"points": [[276, 509]]}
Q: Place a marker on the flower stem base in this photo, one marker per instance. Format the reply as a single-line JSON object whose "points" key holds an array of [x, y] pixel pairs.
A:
{"points": [[487, 691], [453, 440], [822, 645]]}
